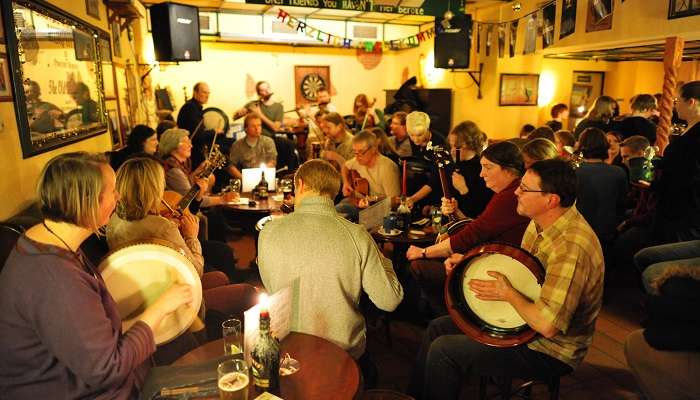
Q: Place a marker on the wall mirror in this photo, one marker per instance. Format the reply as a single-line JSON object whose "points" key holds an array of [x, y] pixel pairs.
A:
{"points": [[56, 71]]}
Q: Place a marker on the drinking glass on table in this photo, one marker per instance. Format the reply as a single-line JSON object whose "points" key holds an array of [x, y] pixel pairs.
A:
{"points": [[232, 333], [234, 185], [233, 380]]}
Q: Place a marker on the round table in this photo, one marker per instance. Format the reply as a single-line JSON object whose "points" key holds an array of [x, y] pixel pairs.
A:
{"points": [[327, 371], [261, 206]]}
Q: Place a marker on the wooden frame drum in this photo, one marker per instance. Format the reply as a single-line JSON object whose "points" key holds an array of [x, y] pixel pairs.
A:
{"points": [[137, 273], [494, 323]]}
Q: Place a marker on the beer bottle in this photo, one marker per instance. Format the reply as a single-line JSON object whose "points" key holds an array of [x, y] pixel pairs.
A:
{"points": [[262, 188], [403, 215], [265, 358]]}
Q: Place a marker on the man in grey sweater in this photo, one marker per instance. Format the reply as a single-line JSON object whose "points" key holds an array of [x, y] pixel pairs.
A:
{"points": [[327, 260]]}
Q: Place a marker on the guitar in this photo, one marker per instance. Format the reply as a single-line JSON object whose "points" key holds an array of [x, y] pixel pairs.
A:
{"points": [[442, 158], [360, 189], [178, 205]]}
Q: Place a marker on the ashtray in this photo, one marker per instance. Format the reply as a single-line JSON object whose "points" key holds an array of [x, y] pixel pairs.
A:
{"points": [[288, 365]]}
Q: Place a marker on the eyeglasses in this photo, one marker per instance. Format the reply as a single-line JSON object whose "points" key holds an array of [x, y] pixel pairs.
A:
{"points": [[361, 152], [526, 190]]}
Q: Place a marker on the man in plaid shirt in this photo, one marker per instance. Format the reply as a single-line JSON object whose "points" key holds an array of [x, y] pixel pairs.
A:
{"points": [[564, 315]]}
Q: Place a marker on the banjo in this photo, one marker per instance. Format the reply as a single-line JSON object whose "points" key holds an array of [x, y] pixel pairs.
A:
{"points": [[442, 158]]}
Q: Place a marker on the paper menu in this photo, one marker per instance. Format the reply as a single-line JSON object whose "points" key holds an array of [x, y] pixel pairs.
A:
{"points": [[280, 319]]}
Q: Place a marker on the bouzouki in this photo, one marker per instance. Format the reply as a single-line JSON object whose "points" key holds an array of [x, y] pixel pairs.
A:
{"points": [[442, 158]]}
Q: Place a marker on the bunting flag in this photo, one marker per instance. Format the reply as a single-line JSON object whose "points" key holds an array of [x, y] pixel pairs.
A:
{"points": [[568, 19], [501, 40], [548, 17], [367, 45], [489, 39], [511, 38], [530, 35], [478, 38]]}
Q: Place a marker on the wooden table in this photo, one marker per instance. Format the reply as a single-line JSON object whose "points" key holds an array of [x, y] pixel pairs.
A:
{"points": [[402, 241], [327, 371], [261, 206]]}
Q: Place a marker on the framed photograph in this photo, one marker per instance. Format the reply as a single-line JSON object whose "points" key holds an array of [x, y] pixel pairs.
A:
{"points": [[5, 86], [208, 23], [92, 7], [683, 8], [58, 95], [600, 15], [585, 88], [519, 90]]}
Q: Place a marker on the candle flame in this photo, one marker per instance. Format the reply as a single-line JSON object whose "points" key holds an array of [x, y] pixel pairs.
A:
{"points": [[264, 301]]}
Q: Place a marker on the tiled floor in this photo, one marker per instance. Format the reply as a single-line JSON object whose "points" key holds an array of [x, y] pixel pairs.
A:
{"points": [[603, 375]]}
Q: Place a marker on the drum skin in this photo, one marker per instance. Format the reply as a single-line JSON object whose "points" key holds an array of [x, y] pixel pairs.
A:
{"points": [[466, 319], [138, 272]]}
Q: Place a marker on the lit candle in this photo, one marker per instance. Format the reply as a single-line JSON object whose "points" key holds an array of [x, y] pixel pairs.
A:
{"points": [[403, 183], [264, 302]]}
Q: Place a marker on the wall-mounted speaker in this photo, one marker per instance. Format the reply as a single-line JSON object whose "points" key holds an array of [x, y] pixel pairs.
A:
{"points": [[175, 30], [453, 41]]}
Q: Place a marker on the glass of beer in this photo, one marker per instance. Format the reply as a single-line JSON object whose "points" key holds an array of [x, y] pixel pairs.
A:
{"points": [[233, 380], [233, 337], [316, 149]]}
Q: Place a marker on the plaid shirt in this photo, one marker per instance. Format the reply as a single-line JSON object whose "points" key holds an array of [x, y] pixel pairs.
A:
{"points": [[572, 292]]}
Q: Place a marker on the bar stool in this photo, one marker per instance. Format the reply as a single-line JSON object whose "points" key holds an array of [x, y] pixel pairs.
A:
{"points": [[523, 391]]}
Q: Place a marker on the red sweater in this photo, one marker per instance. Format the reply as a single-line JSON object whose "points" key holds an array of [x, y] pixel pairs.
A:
{"points": [[499, 222]]}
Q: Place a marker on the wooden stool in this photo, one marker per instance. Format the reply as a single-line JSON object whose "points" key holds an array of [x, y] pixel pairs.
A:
{"points": [[523, 391]]}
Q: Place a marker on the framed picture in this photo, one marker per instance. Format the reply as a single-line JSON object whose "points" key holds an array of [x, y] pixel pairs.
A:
{"points": [[519, 90], [2, 30], [585, 88], [599, 16], [92, 7], [208, 23], [683, 8], [58, 95], [5, 87], [308, 80]]}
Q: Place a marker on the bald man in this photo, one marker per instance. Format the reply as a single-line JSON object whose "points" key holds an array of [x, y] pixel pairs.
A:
{"points": [[190, 117]]}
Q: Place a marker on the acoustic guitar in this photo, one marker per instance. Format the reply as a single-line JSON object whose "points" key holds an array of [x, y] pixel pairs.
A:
{"points": [[442, 158], [360, 188], [177, 205]]}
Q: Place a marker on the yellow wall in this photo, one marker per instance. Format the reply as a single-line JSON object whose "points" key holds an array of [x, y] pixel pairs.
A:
{"points": [[20, 175]]}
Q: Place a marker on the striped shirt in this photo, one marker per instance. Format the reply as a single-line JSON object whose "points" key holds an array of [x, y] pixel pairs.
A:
{"points": [[572, 292]]}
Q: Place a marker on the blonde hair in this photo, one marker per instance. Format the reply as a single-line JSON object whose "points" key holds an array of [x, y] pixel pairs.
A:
{"points": [[540, 149], [319, 176], [417, 122], [140, 183], [603, 109], [70, 187]]}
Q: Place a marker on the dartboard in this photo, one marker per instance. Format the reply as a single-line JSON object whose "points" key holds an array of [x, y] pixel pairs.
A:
{"points": [[310, 86]]}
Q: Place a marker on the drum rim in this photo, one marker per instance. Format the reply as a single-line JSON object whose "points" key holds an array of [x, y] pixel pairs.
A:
{"points": [[221, 112], [466, 319], [197, 287]]}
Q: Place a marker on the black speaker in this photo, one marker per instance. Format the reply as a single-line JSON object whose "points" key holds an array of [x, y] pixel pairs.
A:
{"points": [[452, 41], [175, 30]]}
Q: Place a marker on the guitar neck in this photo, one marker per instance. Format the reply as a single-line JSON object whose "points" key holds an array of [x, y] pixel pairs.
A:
{"points": [[186, 200], [445, 188]]}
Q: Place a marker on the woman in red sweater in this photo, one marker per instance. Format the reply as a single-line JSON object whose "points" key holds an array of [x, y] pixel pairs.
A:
{"points": [[501, 168]]}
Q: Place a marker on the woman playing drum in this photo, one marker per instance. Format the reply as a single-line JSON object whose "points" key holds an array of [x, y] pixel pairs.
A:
{"points": [[61, 333], [501, 168], [140, 183]]}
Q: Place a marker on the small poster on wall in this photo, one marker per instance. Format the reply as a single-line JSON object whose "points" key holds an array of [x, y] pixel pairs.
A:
{"points": [[599, 16], [568, 18], [549, 15]]}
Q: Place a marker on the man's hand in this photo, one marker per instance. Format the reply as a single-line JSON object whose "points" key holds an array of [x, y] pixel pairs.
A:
{"points": [[414, 253], [203, 184], [493, 290], [459, 183], [451, 261], [347, 189]]}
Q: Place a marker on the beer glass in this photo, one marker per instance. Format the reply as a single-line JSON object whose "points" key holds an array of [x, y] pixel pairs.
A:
{"points": [[233, 337], [233, 380], [316, 150]]}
